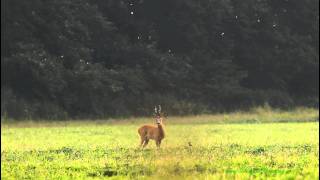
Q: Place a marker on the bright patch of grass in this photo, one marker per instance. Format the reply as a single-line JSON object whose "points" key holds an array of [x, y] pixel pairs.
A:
{"points": [[99, 150]]}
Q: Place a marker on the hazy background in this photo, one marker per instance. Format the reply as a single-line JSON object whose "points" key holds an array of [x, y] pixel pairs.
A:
{"points": [[105, 58]]}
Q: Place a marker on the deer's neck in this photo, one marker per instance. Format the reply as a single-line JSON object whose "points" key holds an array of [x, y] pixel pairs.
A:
{"points": [[161, 130]]}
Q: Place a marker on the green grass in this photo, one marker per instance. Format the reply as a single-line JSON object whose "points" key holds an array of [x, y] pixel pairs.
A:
{"points": [[224, 146]]}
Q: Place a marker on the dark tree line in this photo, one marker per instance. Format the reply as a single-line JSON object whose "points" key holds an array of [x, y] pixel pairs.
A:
{"points": [[98, 58]]}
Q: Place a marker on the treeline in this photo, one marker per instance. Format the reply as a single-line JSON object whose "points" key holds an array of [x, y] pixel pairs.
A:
{"points": [[103, 58]]}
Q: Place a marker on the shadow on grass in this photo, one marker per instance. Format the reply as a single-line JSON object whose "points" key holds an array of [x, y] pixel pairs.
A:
{"points": [[124, 170]]}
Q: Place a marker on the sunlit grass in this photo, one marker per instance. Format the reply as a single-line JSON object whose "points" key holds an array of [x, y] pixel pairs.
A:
{"points": [[224, 146]]}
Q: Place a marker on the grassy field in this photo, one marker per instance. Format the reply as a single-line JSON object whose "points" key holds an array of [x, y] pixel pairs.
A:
{"points": [[262, 144]]}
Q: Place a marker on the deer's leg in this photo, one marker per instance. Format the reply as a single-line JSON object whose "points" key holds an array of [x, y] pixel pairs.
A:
{"points": [[141, 141], [146, 140], [158, 142]]}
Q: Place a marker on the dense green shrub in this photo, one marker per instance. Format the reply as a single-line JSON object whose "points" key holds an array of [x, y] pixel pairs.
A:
{"points": [[97, 59]]}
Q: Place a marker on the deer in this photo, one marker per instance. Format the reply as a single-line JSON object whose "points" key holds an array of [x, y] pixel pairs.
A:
{"points": [[155, 132]]}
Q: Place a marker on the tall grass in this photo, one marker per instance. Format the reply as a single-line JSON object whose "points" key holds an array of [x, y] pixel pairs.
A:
{"points": [[263, 114]]}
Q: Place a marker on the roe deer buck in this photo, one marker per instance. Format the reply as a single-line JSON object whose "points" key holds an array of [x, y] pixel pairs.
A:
{"points": [[156, 133]]}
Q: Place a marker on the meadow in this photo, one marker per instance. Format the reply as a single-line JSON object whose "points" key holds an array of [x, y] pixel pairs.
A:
{"points": [[260, 144]]}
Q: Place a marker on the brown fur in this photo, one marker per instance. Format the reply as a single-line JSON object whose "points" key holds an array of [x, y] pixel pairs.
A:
{"points": [[155, 132]]}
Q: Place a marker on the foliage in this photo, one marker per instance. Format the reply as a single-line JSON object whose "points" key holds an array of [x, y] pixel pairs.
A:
{"points": [[98, 59]]}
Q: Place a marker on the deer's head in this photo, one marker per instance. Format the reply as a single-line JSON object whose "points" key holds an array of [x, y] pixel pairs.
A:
{"points": [[158, 115]]}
